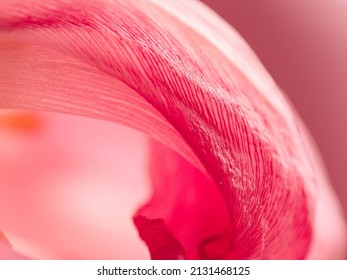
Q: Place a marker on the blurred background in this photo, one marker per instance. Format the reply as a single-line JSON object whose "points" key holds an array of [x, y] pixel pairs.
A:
{"points": [[303, 44]]}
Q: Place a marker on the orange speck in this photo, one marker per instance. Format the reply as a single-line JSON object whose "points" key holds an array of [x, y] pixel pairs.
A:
{"points": [[23, 121], [2, 236]]}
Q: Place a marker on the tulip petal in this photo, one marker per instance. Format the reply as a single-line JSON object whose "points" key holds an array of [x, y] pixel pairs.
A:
{"points": [[85, 91], [189, 203], [225, 114]]}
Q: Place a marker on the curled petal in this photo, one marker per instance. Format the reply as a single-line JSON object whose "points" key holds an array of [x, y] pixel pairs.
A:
{"points": [[191, 206], [206, 97]]}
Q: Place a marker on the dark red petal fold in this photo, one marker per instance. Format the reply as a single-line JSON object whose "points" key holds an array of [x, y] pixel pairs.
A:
{"points": [[161, 242], [247, 152]]}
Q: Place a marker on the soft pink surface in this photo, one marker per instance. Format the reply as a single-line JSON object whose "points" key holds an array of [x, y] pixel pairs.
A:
{"points": [[6, 250], [7, 253], [69, 189], [183, 76]]}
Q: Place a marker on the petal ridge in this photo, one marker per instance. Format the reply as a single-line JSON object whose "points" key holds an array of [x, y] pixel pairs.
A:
{"points": [[251, 151]]}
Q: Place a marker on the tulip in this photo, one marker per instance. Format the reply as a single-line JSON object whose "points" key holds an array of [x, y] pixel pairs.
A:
{"points": [[61, 198], [302, 44], [234, 172]]}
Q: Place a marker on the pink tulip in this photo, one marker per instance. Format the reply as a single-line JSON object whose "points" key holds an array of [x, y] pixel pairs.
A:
{"points": [[233, 170]]}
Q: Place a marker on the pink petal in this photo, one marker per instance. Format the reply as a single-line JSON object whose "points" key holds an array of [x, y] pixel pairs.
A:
{"points": [[190, 205], [218, 102]]}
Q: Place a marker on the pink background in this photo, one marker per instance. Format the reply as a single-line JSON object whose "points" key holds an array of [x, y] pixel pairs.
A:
{"points": [[303, 44]]}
